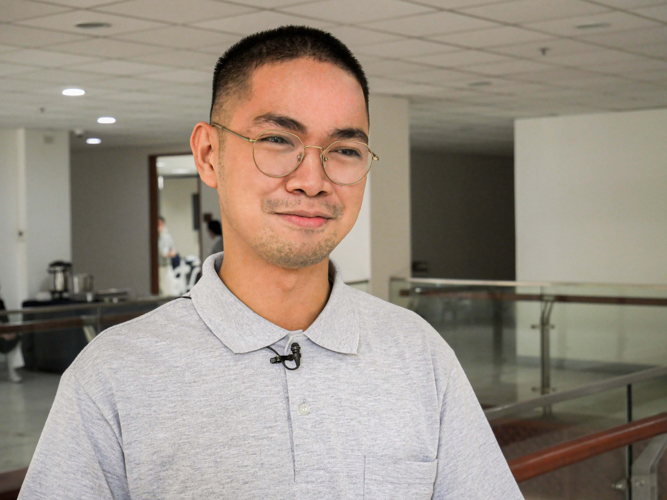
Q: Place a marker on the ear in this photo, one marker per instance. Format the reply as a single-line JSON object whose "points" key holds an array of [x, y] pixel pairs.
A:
{"points": [[204, 144]]}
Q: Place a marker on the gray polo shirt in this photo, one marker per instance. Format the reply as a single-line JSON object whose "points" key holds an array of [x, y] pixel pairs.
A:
{"points": [[184, 403]]}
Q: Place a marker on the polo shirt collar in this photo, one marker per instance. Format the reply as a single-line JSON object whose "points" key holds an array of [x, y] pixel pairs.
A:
{"points": [[242, 330]]}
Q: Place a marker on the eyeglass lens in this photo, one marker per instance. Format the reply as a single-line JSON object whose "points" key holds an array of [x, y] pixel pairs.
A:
{"points": [[277, 154]]}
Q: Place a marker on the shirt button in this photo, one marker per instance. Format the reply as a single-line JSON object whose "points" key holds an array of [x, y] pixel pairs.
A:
{"points": [[304, 409]]}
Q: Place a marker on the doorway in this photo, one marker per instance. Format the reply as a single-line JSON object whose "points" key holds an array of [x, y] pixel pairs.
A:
{"points": [[181, 207]]}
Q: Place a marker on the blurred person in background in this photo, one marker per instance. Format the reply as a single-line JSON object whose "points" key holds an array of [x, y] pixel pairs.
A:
{"points": [[215, 233], [10, 347], [166, 254]]}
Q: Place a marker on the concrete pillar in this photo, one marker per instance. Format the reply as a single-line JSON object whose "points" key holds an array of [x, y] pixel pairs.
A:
{"points": [[35, 215], [389, 193]]}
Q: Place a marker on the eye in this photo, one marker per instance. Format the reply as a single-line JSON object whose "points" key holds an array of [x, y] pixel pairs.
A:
{"points": [[347, 151], [275, 139]]}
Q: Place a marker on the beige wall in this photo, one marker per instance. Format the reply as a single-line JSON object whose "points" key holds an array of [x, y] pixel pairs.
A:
{"points": [[110, 214], [390, 192], [591, 202], [35, 224]]}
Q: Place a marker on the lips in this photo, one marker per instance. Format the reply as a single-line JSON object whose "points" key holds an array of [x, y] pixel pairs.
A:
{"points": [[305, 219]]}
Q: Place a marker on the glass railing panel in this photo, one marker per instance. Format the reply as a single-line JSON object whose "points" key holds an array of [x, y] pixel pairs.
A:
{"points": [[531, 431]]}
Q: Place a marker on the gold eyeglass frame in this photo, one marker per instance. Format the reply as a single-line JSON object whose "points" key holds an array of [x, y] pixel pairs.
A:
{"points": [[323, 158]]}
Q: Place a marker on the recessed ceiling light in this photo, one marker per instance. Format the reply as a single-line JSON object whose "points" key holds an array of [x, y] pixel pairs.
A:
{"points": [[161, 164], [181, 170], [483, 83], [106, 119], [92, 25], [73, 92], [93, 140], [593, 26]]}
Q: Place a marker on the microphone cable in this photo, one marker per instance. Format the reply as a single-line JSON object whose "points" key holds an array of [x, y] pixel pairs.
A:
{"points": [[295, 356]]}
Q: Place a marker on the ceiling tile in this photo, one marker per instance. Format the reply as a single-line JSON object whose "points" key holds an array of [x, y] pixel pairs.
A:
{"points": [[107, 47], [629, 38], [60, 78], [527, 11], [217, 49], [657, 50], [441, 77], [180, 37], [594, 58], [357, 37], [114, 67], [180, 59], [356, 12], [658, 12], [630, 4], [511, 67], [176, 12], [66, 22], [82, 4], [251, 23], [182, 76], [386, 86], [36, 57], [16, 10], [506, 35], [431, 24], [617, 21], [405, 48], [31, 37], [458, 4], [388, 68], [651, 76], [12, 69], [7, 48], [461, 58], [554, 47], [128, 83]]}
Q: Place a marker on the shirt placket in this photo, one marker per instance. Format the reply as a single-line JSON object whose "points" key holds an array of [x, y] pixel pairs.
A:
{"points": [[299, 404]]}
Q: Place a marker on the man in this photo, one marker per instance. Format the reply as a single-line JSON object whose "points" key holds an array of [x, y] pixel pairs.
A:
{"points": [[273, 379], [166, 252]]}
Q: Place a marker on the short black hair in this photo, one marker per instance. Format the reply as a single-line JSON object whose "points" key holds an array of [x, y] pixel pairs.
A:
{"points": [[215, 227], [236, 66]]}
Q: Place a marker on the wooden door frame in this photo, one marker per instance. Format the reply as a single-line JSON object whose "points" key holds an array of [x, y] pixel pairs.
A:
{"points": [[153, 197]]}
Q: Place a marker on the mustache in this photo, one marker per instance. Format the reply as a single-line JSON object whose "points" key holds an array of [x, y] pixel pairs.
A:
{"points": [[334, 210]]}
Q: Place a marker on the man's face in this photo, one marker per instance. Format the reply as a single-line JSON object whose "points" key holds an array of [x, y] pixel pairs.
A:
{"points": [[294, 221]]}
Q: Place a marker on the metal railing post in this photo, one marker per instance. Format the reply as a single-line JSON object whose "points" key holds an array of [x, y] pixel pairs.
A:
{"points": [[545, 351], [644, 481]]}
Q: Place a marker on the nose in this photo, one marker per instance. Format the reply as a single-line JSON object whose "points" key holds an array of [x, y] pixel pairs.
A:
{"points": [[309, 177]]}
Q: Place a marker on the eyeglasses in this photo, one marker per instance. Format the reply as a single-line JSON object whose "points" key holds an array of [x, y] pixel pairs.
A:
{"points": [[278, 154]]}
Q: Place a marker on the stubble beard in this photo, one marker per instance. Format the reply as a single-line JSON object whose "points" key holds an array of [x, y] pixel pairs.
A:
{"points": [[293, 255]]}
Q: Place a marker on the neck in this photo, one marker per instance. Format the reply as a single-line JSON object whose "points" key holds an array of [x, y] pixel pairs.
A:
{"points": [[289, 298]]}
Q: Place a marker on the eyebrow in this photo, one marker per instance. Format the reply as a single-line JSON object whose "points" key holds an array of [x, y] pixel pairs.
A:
{"points": [[349, 133], [281, 121], [293, 125]]}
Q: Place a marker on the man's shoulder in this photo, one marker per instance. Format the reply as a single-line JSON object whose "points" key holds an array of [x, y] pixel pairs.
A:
{"points": [[397, 323], [162, 327]]}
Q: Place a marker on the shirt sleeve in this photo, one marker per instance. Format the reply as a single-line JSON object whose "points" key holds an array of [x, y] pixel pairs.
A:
{"points": [[470, 463], [79, 454]]}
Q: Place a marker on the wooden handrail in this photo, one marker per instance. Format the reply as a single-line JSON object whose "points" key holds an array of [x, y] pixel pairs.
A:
{"points": [[536, 297], [42, 326], [10, 483], [564, 454]]}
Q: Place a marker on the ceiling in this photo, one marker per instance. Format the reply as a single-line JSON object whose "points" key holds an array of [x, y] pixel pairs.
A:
{"points": [[468, 67]]}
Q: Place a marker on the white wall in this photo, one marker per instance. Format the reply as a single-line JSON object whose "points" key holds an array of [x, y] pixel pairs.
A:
{"points": [[390, 192], [110, 214], [35, 221], [353, 254], [591, 198], [12, 248], [591, 206]]}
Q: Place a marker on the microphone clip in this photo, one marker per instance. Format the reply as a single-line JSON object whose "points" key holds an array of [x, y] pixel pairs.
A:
{"points": [[295, 356]]}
